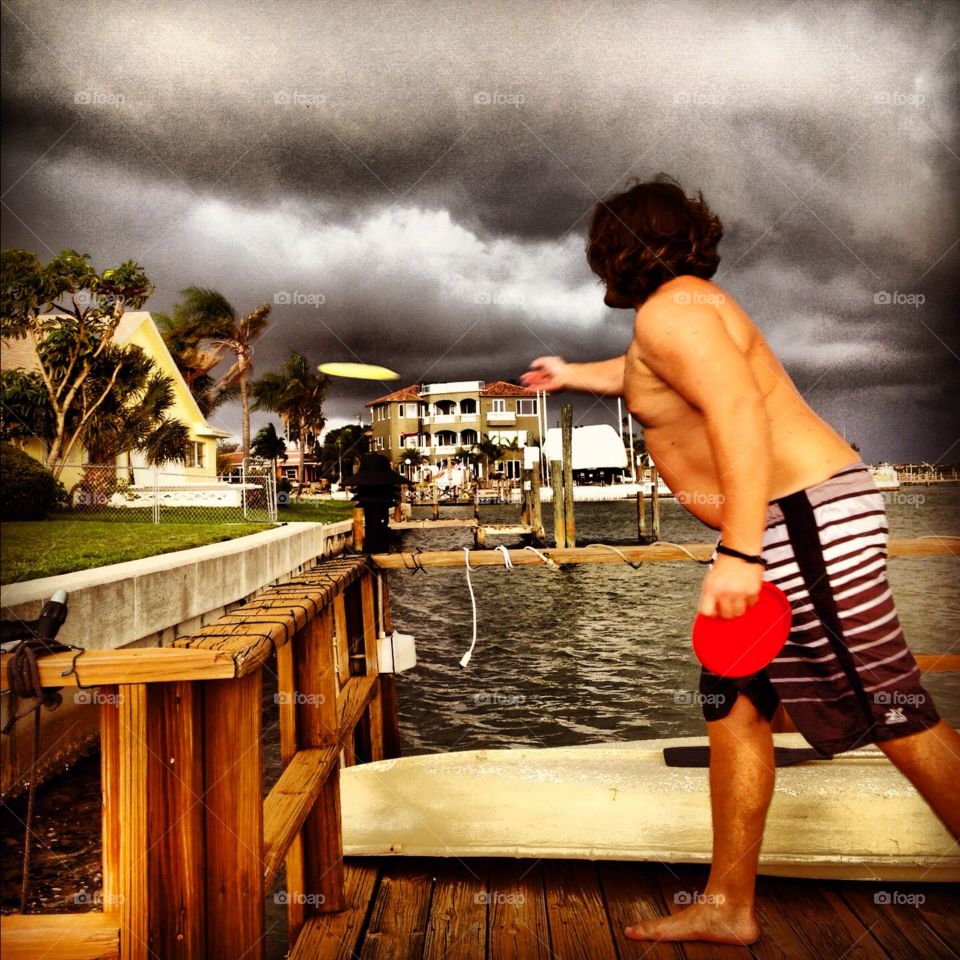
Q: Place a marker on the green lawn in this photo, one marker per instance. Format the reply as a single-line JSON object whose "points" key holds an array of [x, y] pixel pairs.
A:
{"points": [[44, 548], [317, 511]]}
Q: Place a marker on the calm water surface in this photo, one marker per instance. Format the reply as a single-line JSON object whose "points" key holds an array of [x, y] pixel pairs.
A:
{"points": [[586, 654]]}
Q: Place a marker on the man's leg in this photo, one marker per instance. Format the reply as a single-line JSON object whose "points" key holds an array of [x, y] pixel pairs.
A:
{"points": [[930, 760], [741, 785]]}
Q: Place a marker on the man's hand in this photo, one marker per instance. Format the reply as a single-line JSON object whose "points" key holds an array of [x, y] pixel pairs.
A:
{"points": [[730, 588], [546, 373]]}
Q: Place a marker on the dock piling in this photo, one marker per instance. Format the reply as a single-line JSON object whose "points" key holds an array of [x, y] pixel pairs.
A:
{"points": [[566, 427], [559, 526]]}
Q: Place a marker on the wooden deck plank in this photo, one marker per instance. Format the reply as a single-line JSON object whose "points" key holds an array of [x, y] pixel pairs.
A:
{"points": [[799, 912], [457, 922], [398, 921], [899, 926], [517, 927], [335, 936], [576, 914], [632, 894], [63, 936], [680, 884], [941, 910]]}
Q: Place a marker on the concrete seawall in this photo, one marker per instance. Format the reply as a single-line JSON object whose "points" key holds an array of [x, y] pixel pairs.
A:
{"points": [[148, 602]]}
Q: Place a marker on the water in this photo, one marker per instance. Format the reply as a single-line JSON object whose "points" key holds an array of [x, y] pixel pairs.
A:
{"points": [[587, 654]]}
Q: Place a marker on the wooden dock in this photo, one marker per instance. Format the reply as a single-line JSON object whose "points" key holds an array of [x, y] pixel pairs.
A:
{"points": [[191, 846], [402, 907]]}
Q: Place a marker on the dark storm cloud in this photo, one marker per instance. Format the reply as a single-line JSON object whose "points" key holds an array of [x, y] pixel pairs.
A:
{"points": [[427, 169]]}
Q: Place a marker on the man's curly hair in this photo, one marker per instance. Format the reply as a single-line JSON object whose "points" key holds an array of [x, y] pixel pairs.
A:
{"points": [[649, 234]]}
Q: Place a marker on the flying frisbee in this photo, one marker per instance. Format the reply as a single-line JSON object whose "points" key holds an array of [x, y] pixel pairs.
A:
{"points": [[743, 645], [357, 371]]}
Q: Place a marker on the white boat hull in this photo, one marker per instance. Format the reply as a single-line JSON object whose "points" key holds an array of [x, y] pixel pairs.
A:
{"points": [[854, 817]]}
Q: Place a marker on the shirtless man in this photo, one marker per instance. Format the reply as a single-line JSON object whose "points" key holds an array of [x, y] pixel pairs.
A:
{"points": [[736, 442]]}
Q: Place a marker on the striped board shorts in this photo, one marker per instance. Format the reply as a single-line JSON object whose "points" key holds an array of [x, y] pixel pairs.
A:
{"points": [[845, 675]]}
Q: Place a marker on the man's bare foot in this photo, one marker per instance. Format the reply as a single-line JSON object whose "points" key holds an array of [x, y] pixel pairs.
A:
{"points": [[717, 923]]}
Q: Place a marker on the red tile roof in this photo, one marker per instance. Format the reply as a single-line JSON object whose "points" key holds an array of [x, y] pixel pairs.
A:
{"points": [[407, 393], [500, 388], [497, 388]]}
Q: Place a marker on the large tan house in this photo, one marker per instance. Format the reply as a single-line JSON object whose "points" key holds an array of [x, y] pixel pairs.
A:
{"points": [[440, 418], [135, 328]]}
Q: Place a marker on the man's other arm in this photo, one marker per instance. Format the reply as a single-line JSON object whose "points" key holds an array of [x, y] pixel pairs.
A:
{"points": [[554, 373]]}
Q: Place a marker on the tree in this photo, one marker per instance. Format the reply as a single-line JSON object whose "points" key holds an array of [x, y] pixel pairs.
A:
{"points": [[342, 445], [193, 362], [210, 321], [490, 451], [70, 344], [135, 416], [296, 393], [409, 459], [269, 445]]}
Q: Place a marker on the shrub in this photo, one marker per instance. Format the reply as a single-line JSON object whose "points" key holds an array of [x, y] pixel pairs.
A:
{"points": [[28, 490]]}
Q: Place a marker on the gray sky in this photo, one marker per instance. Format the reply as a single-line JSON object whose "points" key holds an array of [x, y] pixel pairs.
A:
{"points": [[415, 178]]}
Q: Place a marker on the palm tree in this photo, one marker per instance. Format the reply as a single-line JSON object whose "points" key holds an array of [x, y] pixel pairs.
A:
{"points": [[269, 445], [133, 416], [193, 362], [296, 393], [409, 459], [216, 329], [490, 452]]}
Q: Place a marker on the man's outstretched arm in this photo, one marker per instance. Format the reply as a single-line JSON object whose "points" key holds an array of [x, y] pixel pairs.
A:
{"points": [[554, 373]]}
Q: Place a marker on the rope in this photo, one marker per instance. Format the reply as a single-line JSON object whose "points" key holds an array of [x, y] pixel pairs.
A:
{"points": [[465, 659], [550, 563], [619, 553], [36, 638], [507, 562]]}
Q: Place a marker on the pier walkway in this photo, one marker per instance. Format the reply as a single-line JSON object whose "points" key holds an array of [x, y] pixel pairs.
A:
{"points": [[505, 909]]}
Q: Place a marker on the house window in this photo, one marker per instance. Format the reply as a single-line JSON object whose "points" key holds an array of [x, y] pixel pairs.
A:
{"points": [[512, 468], [468, 406], [498, 406], [527, 408], [194, 457]]}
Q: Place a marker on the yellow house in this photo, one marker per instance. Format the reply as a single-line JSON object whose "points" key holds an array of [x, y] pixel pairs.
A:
{"points": [[138, 329]]}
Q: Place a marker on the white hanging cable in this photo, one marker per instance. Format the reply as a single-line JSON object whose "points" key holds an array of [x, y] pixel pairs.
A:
{"points": [[465, 659], [507, 562]]}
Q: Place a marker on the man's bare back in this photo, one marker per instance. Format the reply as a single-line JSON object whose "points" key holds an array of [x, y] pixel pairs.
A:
{"points": [[804, 449]]}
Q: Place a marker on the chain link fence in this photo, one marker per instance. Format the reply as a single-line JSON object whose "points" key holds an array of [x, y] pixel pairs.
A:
{"points": [[160, 495]]}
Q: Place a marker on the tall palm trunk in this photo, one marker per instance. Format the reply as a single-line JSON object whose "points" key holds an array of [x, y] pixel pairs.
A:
{"points": [[245, 405]]}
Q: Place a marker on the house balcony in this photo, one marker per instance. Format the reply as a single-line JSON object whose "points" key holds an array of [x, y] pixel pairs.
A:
{"points": [[501, 416]]}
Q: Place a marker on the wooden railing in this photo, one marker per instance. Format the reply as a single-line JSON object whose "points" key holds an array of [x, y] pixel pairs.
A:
{"points": [[190, 845]]}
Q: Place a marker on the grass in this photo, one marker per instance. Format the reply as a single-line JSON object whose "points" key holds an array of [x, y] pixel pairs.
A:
{"points": [[44, 548], [316, 511]]}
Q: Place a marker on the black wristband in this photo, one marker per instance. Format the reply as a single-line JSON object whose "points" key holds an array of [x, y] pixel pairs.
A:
{"points": [[748, 557]]}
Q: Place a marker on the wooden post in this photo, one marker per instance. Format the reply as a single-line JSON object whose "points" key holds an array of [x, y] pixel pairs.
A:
{"points": [[133, 876], [526, 485], [110, 788], [358, 529], [536, 507], [436, 502], [655, 503], [476, 503], [479, 537], [559, 526], [566, 425], [317, 727], [388, 683], [175, 820], [641, 515], [233, 802], [373, 731]]}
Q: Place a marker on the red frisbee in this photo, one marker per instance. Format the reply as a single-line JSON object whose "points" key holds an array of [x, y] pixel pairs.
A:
{"points": [[743, 645]]}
